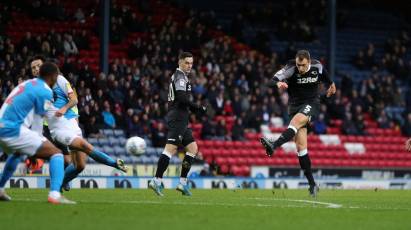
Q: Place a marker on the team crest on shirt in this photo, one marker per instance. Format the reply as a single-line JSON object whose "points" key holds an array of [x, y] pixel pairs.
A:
{"points": [[314, 72]]}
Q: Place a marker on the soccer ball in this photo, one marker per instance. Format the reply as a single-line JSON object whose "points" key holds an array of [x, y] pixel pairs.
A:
{"points": [[135, 146]]}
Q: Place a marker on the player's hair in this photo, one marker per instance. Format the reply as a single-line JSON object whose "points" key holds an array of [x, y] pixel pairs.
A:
{"points": [[48, 69], [302, 54], [36, 57], [184, 55]]}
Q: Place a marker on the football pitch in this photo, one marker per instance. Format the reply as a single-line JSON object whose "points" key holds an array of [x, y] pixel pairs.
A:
{"points": [[209, 209]]}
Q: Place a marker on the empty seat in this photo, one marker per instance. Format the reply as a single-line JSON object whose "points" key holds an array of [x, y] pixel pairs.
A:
{"points": [[122, 141], [119, 133], [119, 150], [108, 150], [114, 141], [139, 160], [93, 141], [154, 159], [103, 141], [151, 151], [107, 132], [173, 160]]}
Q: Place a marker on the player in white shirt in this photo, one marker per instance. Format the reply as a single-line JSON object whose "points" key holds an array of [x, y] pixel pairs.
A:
{"points": [[24, 107], [62, 119]]}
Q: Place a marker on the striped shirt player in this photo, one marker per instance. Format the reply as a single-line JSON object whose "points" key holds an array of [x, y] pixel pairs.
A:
{"points": [[63, 129]]}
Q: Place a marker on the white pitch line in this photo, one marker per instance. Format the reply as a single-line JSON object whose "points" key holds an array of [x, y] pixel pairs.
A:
{"points": [[153, 202], [328, 205], [172, 203], [199, 203]]}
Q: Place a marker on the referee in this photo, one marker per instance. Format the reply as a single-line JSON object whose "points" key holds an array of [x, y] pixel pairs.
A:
{"points": [[301, 77]]}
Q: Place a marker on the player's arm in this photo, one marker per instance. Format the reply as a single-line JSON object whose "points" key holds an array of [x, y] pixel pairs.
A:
{"points": [[69, 92], [184, 98], [72, 102], [325, 78], [281, 75]]}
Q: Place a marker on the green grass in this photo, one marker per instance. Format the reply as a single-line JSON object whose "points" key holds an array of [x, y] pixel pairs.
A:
{"points": [[209, 209]]}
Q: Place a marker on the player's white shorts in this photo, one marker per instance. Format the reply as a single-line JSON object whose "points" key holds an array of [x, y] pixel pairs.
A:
{"points": [[28, 142], [64, 130]]}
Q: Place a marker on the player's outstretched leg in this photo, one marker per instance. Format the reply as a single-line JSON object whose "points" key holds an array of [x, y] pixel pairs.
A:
{"points": [[271, 145], [156, 183], [299, 120], [99, 156], [103, 158], [11, 164]]}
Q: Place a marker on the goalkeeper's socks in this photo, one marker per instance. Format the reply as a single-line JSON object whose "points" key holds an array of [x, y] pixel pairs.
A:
{"points": [[162, 164], [103, 158], [305, 164], [286, 136]]}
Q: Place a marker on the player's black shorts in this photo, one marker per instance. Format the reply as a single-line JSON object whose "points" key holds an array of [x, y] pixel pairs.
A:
{"points": [[310, 109], [179, 133], [47, 134]]}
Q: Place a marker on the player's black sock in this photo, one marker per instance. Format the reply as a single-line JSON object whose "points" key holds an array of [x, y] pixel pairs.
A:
{"points": [[186, 165], [305, 164], [162, 165], [286, 136]]}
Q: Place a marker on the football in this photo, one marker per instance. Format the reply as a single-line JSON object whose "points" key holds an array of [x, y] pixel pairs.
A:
{"points": [[135, 146]]}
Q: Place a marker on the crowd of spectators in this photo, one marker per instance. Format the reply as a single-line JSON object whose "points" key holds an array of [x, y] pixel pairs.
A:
{"points": [[56, 10], [385, 93], [257, 23], [382, 95]]}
